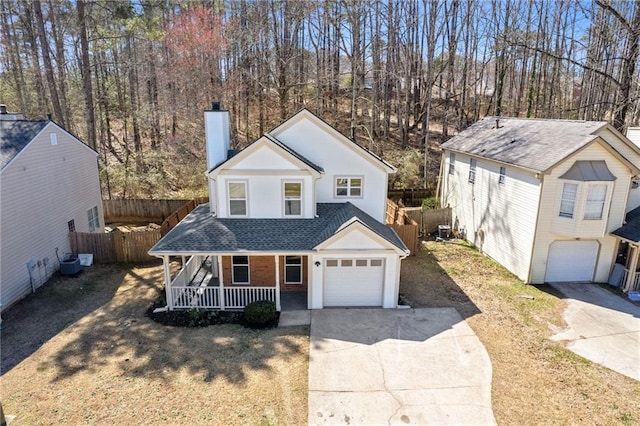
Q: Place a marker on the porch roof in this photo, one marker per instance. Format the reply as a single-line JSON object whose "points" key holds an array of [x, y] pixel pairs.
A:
{"points": [[201, 232], [631, 229]]}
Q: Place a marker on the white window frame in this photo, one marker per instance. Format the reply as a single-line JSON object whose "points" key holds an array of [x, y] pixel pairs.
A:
{"points": [[574, 201], [285, 199], [598, 203], [503, 175], [233, 274], [452, 163], [292, 265], [473, 165], [246, 198], [93, 219], [349, 188]]}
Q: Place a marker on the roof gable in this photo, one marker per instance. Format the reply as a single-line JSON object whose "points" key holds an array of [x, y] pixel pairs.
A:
{"points": [[15, 135], [308, 116], [271, 154], [355, 235]]}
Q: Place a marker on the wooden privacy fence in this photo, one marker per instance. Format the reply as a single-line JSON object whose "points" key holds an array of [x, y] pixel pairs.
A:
{"points": [[140, 211], [429, 219], [116, 246], [174, 218], [405, 227]]}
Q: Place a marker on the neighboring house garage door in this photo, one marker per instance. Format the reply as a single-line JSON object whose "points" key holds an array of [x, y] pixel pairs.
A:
{"points": [[571, 261], [353, 282]]}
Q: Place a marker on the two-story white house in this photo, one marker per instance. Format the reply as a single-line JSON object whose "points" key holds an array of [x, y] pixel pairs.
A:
{"points": [[301, 209], [543, 197]]}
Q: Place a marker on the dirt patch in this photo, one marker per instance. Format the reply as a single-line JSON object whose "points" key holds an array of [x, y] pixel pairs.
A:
{"points": [[100, 360], [535, 380]]}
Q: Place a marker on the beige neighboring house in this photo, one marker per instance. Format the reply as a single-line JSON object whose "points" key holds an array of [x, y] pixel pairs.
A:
{"points": [[550, 200], [49, 186]]}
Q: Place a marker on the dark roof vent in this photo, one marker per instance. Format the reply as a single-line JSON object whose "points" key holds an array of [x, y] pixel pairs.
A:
{"points": [[215, 106]]}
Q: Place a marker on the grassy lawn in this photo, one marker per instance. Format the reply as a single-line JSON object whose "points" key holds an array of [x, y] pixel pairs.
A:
{"points": [[81, 351], [535, 380]]}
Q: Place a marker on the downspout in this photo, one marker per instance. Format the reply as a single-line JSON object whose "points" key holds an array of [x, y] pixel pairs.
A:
{"points": [[540, 177]]}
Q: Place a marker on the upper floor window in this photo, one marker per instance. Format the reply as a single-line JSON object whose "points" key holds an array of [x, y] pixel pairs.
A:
{"points": [[472, 170], [292, 198], [503, 175], [596, 196], [94, 220], [237, 198], [452, 163], [568, 199], [348, 186]]}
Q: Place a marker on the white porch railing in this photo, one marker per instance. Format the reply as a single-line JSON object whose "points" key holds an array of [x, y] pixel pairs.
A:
{"points": [[635, 281], [239, 297], [195, 297], [186, 297]]}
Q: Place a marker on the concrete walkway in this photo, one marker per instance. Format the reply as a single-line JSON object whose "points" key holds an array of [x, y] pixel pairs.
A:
{"points": [[601, 327], [387, 366]]}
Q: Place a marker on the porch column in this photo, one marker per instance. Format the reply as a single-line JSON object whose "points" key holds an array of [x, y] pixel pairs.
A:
{"points": [[220, 283], [277, 283], [167, 282], [633, 265]]}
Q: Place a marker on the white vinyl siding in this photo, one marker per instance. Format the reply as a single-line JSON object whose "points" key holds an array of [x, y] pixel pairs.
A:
{"points": [[551, 227], [505, 214], [43, 189]]}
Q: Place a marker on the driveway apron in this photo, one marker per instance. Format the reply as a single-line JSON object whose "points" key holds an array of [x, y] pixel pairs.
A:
{"points": [[387, 366], [601, 327]]}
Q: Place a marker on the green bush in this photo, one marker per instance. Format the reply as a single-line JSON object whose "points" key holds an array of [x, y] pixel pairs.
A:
{"points": [[260, 312], [430, 203]]}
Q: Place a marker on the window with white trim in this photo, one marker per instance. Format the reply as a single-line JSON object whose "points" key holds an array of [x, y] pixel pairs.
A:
{"points": [[237, 198], [568, 199], [240, 269], [472, 170], [292, 198], [293, 270], [594, 206], [452, 163], [94, 220], [503, 174], [71, 225], [348, 186]]}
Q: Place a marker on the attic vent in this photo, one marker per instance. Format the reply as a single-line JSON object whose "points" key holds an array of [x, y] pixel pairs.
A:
{"points": [[215, 106], [513, 141]]}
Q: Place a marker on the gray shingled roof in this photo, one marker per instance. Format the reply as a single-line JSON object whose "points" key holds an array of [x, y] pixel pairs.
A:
{"points": [[202, 232], [534, 144], [631, 229], [15, 135]]}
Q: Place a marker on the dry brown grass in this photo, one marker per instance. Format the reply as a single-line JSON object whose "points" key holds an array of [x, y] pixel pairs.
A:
{"points": [[535, 380], [81, 351]]}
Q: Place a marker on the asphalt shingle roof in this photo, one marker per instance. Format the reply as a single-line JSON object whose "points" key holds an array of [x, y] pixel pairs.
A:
{"points": [[630, 230], [15, 135], [201, 232], [535, 144]]}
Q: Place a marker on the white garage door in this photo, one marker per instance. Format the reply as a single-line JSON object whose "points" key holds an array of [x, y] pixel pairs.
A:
{"points": [[353, 282], [571, 261]]}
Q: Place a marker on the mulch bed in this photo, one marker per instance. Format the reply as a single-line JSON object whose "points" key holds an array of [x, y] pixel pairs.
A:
{"points": [[196, 317]]}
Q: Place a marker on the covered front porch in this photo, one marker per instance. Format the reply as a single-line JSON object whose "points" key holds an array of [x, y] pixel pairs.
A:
{"points": [[215, 281]]}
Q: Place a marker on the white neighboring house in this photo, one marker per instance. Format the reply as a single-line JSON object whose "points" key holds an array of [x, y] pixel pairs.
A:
{"points": [[49, 185], [544, 198], [299, 210]]}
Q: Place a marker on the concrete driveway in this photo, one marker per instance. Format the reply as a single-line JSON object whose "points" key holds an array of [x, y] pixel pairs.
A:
{"points": [[387, 366], [601, 327]]}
